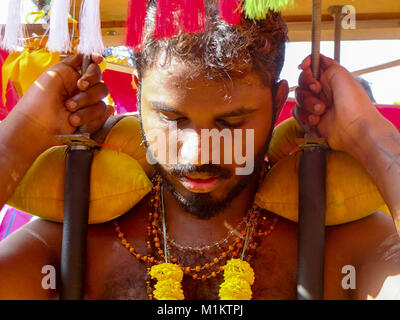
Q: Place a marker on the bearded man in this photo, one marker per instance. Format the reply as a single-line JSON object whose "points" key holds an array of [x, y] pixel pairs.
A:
{"points": [[224, 78]]}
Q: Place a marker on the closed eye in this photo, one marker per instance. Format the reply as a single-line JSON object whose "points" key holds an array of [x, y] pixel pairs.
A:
{"points": [[171, 118], [231, 123]]}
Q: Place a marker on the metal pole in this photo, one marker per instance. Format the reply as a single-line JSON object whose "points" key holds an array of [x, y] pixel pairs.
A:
{"points": [[311, 244], [316, 37], [76, 211], [311, 239], [336, 12], [76, 208]]}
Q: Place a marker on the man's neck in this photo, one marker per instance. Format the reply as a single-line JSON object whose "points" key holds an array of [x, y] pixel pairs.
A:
{"points": [[189, 230]]}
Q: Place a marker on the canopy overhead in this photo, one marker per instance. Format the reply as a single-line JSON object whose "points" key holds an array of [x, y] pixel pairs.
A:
{"points": [[374, 20]]}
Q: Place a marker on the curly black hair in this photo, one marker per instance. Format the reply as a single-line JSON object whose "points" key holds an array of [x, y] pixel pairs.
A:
{"points": [[222, 50]]}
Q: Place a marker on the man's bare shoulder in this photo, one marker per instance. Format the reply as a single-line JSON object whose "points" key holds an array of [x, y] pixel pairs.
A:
{"points": [[23, 257], [361, 244], [362, 235], [372, 246], [38, 233]]}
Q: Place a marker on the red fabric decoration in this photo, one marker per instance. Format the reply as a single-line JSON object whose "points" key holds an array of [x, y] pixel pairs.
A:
{"points": [[193, 15], [392, 113], [120, 86], [230, 11], [135, 23], [286, 111], [167, 18]]}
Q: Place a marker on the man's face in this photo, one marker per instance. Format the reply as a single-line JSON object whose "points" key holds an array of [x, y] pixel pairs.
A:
{"points": [[179, 110]]}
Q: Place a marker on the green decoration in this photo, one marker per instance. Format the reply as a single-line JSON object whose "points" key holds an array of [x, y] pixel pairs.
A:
{"points": [[258, 9]]}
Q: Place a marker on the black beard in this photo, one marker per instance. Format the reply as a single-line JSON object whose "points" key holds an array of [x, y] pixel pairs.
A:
{"points": [[202, 205]]}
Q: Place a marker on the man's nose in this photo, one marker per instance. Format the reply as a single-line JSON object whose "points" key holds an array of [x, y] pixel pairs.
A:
{"points": [[190, 149], [194, 150]]}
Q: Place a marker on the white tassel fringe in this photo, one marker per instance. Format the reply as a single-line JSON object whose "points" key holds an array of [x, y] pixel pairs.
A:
{"points": [[59, 40], [91, 41], [13, 37]]}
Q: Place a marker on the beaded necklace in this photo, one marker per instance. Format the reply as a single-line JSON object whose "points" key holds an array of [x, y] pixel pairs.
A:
{"points": [[248, 235]]}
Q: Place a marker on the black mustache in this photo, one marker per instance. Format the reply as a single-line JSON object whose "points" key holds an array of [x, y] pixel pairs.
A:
{"points": [[185, 169]]}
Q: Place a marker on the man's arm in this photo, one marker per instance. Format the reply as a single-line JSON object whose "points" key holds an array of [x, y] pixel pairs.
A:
{"points": [[59, 101], [22, 140], [346, 117], [28, 261], [379, 153], [48, 108]]}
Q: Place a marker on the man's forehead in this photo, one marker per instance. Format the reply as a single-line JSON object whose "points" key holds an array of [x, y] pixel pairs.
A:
{"points": [[182, 73], [184, 78], [202, 94]]}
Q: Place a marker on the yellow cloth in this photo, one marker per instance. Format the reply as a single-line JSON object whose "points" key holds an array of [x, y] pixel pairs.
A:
{"points": [[24, 68]]}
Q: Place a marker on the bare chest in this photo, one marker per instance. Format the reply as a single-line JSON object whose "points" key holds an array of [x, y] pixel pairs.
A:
{"points": [[122, 277], [114, 273]]}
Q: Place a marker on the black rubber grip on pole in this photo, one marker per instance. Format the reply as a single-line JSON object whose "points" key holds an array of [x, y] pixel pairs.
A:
{"points": [[76, 210], [311, 240]]}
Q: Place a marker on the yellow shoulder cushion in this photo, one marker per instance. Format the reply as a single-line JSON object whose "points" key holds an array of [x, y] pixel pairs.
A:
{"points": [[126, 137], [350, 192], [118, 181], [283, 141], [120, 171]]}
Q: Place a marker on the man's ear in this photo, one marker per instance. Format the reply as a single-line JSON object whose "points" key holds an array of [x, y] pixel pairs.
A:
{"points": [[281, 95]]}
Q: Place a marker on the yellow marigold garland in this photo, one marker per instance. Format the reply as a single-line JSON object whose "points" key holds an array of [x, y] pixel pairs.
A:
{"points": [[238, 278], [235, 289], [169, 278]]}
